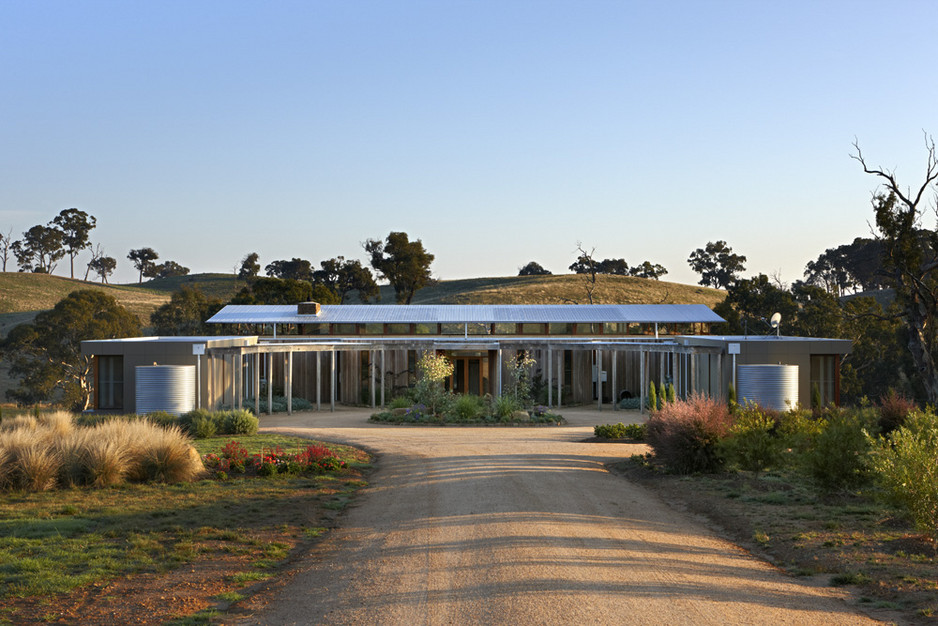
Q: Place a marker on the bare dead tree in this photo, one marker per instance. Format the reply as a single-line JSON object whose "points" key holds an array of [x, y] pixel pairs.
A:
{"points": [[586, 265], [6, 240], [911, 258], [96, 253]]}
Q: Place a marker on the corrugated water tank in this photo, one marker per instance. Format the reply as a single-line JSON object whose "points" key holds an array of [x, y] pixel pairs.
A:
{"points": [[770, 386], [169, 388]]}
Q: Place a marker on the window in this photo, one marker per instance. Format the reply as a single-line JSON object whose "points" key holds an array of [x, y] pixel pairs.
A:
{"points": [[504, 329], [110, 382], [824, 370], [398, 329], [556, 328], [373, 329], [344, 329]]}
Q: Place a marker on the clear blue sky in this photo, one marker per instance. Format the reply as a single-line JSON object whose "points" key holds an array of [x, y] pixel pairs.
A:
{"points": [[497, 132]]}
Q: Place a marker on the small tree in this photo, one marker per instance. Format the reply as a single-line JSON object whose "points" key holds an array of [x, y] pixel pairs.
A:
{"points": [[587, 266], [143, 259], [717, 265], [103, 266], [648, 270], [6, 240], [520, 377], [294, 269], [652, 397], [343, 277], [167, 269], [250, 267], [433, 370], [403, 263], [39, 249], [76, 226], [533, 268]]}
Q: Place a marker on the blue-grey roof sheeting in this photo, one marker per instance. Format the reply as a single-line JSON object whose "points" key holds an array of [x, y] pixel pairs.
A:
{"points": [[468, 313]]}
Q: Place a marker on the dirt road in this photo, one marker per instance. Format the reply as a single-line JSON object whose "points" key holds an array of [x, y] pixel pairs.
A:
{"points": [[523, 526]]}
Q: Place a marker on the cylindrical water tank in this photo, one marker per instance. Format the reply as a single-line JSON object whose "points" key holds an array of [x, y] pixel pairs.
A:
{"points": [[770, 386], [169, 388]]}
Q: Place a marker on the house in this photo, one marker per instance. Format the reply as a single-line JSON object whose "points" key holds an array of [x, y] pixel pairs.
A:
{"points": [[365, 354]]}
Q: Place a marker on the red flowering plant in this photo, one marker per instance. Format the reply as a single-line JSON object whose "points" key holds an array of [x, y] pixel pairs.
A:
{"points": [[320, 459]]}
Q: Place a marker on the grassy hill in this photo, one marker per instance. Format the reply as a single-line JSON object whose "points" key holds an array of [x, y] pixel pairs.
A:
{"points": [[22, 293], [221, 286], [560, 289]]}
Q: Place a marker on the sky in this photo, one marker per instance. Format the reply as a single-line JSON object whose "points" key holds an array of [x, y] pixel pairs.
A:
{"points": [[496, 132]]}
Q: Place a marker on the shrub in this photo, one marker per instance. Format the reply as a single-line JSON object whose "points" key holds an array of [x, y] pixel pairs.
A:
{"points": [[610, 431], [672, 394], [893, 410], [652, 397], [840, 455], [684, 435], [163, 419], [504, 406], [662, 394], [799, 428], [239, 422], [753, 442], [467, 408], [400, 402], [203, 427], [907, 470]]}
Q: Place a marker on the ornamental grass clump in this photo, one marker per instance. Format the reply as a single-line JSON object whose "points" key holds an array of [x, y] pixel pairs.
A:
{"points": [[685, 434], [168, 457]]}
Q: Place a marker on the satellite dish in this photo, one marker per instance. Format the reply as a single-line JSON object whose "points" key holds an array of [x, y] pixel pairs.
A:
{"points": [[775, 322]]}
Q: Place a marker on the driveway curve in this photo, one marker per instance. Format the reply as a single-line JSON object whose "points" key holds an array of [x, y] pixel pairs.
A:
{"points": [[465, 525]]}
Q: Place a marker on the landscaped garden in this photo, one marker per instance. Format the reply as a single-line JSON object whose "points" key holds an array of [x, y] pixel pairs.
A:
{"points": [[849, 496], [429, 402], [97, 510]]}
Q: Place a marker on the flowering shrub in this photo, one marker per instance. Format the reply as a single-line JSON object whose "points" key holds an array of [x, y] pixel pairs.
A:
{"points": [[234, 457], [685, 434]]}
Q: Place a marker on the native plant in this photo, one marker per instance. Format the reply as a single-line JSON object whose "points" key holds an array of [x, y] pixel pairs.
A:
{"points": [[520, 377], [685, 435], [753, 442], [433, 369], [906, 469]]}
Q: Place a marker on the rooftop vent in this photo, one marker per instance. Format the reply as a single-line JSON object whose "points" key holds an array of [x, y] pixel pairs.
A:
{"points": [[308, 308]]}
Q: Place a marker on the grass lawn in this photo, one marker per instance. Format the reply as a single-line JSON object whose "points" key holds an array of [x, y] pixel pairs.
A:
{"points": [[159, 552]]}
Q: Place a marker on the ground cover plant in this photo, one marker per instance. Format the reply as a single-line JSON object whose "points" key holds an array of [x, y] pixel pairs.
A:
{"points": [[153, 552], [634, 432], [824, 493]]}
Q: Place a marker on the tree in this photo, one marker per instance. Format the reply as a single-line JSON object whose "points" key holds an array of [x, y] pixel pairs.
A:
{"points": [[185, 314], [717, 265], [6, 241], [648, 270], [279, 291], [750, 303], [103, 266], [614, 267], [911, 259], [76, 226], [39, 249], [250, 268], [533, 269], [586, 266], [403, 263], [294, 269], [46, 354], [167, 269], [343, 277], [143, 259]]}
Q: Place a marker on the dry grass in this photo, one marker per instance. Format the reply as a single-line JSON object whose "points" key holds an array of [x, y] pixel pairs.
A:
{"points": [[41, 453]]}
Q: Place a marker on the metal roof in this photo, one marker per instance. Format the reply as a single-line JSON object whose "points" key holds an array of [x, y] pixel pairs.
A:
{"points": [[467, 313]]}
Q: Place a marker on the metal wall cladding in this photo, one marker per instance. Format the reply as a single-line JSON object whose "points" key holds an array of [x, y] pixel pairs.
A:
{"points": [[169, 388], [770, 386]]}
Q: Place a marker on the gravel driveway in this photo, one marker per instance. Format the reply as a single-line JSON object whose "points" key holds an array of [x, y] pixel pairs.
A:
{"points": [[523, 526]]}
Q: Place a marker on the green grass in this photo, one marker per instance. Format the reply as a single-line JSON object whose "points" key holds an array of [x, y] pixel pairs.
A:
{"points": [[54, 542]]}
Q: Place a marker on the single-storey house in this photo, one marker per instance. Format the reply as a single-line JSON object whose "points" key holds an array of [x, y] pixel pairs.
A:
{"points": [[365, 354]]}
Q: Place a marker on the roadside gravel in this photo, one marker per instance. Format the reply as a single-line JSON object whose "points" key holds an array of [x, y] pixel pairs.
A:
{"points": [[519, 525]]}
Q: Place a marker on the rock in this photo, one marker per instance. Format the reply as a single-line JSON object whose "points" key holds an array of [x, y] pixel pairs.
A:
{"points": [[520, 416]]}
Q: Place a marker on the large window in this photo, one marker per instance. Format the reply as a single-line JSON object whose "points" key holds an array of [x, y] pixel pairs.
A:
{"points": [[110, 382], [824, 370]]}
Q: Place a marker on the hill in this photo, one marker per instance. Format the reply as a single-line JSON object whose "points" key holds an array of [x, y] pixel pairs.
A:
{"points": [[24, 293], [560, 289], [221, 286]]}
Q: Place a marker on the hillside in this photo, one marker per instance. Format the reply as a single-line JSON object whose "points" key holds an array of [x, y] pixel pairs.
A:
{"points": [[25, 293], [221, 286], [560, 289]]}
